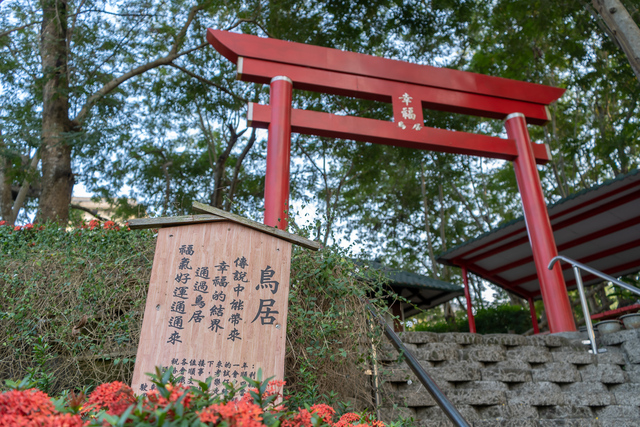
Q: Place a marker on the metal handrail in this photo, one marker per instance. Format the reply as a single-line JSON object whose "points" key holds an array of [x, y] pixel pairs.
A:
{"points": [[428, 383], [583, 299]]}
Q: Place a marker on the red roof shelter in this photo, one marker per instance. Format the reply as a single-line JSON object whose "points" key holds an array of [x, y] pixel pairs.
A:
{"points": [[599, 227]]}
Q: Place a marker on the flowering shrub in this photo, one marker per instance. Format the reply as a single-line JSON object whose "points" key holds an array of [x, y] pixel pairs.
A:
{"points": [[33, 408], [66, 292], [169, 404], [72, 302], [114, 398]]}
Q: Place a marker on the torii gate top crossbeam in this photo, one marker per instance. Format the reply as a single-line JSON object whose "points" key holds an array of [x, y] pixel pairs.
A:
{"points": [[409, 87], [364, 76]]}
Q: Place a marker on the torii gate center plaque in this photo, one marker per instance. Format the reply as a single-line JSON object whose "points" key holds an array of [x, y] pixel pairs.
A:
{"points": [[217, 305]]}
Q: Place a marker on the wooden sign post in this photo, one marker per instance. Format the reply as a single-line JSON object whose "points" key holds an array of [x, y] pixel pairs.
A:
{"points": [[217, 301]]}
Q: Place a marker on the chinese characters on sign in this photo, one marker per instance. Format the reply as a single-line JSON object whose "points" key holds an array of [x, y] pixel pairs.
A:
{"points": [[407, 114], [190, 370], [217, 305]]}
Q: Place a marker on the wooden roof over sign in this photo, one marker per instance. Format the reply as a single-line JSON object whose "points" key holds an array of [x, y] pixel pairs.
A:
{"points": [[212, 214]]}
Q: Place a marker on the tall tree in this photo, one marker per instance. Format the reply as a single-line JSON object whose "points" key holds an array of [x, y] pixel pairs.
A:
{"points": [[93, 53], [89, 49], [622, 29]]}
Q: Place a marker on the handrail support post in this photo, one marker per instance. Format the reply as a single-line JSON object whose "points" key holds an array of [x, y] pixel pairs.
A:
{"points": [[585, 310]]}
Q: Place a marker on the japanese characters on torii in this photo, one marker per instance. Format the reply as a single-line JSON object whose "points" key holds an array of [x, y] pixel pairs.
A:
{"points": [[410, 119]]}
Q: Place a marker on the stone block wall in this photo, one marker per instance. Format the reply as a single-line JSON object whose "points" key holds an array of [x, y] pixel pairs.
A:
{"points": [[511, 380]]}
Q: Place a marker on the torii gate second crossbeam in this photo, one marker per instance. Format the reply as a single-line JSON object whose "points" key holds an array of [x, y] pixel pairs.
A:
{"points": [[409, 88]]}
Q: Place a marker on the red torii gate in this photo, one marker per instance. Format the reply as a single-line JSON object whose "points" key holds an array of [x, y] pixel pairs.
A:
{"points": [[409, 88]]}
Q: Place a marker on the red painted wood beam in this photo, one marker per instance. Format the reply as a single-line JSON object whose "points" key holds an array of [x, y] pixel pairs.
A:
{"points": [[485, 274], [613, 314], [593, 257], [234, 45], [590, 202], [467, 295], [388, 133], [552, 217], [512, 244], [599, 209], [543, 246], [433, 98], [584, 239], [534, 317], [560, 225]]}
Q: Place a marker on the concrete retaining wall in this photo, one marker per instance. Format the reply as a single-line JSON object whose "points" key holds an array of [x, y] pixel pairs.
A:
{"points": [[511, 380]]}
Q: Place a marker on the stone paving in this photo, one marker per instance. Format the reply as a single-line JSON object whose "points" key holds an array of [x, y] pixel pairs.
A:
{"points": [[516, 381]]}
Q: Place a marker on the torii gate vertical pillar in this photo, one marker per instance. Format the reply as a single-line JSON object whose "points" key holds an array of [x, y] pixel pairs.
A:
{"points": [[276, 186], [554, 292]]}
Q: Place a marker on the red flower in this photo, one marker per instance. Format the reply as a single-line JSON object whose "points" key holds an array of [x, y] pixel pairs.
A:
{"points": [[347, 419], [110, 225], [156, 400], [57, 420], [32, 408], [235, 414], [302, 419], [325, 412], [28, 226], [17, 228], [274, 387], [26, 403], [3, 222], [350, 419], [114, 397], [93, 224]]}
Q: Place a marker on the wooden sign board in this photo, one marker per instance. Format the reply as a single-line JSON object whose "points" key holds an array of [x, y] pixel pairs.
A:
{"points": [[217, 305]]}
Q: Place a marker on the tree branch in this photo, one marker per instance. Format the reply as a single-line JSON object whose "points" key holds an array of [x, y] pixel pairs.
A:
{"points": [[22, 27], [623, 30], [249, 20], [24, 189], [144, 15], [166, 60], [183, 31], [93, 99], [208, 82], [167, 178], [427, 226], [236, 169], [93, 212], [467, 205]]}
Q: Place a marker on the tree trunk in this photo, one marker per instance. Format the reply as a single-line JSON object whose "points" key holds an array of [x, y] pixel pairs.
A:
{"points": [[624, 31], [515, 300], [6, 199], [236, 170], [57, 178], [24, 189], [445, 269], [217, 197], [427, 226]]}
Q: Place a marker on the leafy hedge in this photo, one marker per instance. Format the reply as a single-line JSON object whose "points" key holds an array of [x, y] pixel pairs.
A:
{"points": [[72, 303], [71, 306], [492, 320]]}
